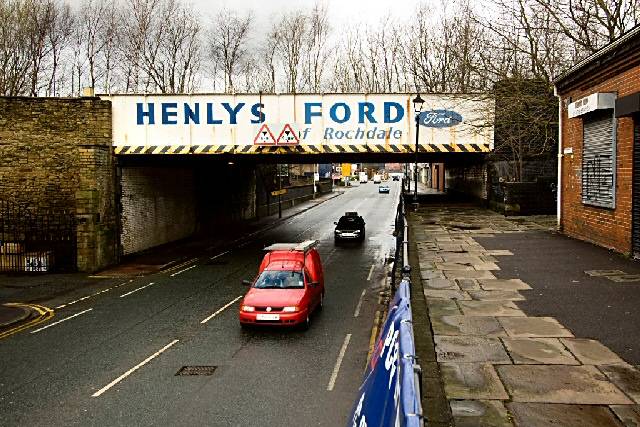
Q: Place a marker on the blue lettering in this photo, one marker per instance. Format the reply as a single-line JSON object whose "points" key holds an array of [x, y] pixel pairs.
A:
{"points": [[169, 117], [365, 109], [210, 118], [308, 113], [142, 114], [387, 112], [191, 115], [334, 109], [256, 110], [233, 112]]}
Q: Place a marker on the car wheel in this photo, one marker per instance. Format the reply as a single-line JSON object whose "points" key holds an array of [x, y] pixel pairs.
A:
{"points": [[305, 325]]}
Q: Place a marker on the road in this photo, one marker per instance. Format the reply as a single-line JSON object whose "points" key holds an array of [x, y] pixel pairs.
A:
{"points": [[112, 358]]}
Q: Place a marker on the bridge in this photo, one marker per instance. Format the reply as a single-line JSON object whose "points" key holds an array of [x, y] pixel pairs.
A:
{"points": [[307, 128]]}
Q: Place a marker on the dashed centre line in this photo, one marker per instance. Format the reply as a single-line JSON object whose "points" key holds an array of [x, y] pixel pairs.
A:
{"points": [[136, 290], [205, 320], [61, 320], [132, 370], [92, 295], [182, 271], [219, 255]]}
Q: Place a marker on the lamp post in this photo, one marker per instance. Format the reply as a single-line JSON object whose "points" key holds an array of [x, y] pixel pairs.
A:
{"points": [[417, 108]]}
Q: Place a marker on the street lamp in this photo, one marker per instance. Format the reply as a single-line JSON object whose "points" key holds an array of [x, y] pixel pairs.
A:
{"points": [[417, 108]]}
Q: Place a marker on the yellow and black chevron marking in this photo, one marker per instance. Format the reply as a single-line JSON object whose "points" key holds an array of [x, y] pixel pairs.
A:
{"points": [[301, 149]]}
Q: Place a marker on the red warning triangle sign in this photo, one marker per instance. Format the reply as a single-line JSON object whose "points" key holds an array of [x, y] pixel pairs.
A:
{"points": [[264, 136], [288, 136]]}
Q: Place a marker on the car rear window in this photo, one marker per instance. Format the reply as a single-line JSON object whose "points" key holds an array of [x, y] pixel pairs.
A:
{"points": [[349, 222], [270, 279]]}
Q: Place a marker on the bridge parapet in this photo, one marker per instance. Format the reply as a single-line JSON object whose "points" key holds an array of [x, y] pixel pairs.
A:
{"points": [[299, 124]]}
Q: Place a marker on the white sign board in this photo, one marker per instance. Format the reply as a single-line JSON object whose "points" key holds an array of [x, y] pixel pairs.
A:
{"points": [[280, 120], [593, 102]]}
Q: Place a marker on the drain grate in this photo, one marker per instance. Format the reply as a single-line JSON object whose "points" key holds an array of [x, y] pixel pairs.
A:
{"points": [[196, 370]]}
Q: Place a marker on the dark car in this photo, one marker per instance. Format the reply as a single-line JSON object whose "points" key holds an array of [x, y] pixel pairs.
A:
{"points": [[384, 189], [396, 178], [349, 227]]}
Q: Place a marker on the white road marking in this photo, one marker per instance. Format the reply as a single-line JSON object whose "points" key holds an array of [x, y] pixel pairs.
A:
{"points": [[93, 295], [60, 321], [176, 267], [182, 271], [136, 290], [357, 312], [336, 369], [132, 370], [219, 255], [220, 310], [370, 272]]}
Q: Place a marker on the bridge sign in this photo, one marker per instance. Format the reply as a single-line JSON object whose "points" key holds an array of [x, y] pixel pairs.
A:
{"points": [[312, 123]]}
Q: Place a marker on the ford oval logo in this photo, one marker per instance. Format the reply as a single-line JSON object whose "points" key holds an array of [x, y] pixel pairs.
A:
{"points": [[439, 118]]}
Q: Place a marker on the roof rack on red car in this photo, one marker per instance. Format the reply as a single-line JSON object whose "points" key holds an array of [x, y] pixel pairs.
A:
{"points": [[293, 247]]}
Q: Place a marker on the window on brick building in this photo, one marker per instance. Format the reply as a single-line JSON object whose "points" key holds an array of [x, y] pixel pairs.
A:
{"points": [[599, 159]]}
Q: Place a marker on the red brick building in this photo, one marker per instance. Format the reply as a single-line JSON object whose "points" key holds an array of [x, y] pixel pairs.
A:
{"points": [[599, 158]]}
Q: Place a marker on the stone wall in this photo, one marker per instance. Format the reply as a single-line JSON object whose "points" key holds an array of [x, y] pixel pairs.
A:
{"points": [[158, 205], [55, 154]]}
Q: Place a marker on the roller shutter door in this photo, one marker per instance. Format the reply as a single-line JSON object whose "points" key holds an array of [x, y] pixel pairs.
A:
{"points": [[598, 160]]}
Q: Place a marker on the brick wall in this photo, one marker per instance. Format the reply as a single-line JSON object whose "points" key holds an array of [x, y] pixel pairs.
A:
{"points": [[55, 154], [158, 205], [606, 227], [470, 180]]}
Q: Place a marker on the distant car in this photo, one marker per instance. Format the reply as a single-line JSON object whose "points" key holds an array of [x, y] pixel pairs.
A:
{"points": [[377, 179], [288, 289], [383, 189], [396, 178], [351, 226]]}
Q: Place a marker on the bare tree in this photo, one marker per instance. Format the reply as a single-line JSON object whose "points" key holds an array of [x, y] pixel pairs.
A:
{"points": [[227, 40], [316, 53], [290, 31]]}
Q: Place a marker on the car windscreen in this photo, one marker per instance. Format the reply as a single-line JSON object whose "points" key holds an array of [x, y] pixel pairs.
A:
{"points": [[349, 223], [271, 279]]}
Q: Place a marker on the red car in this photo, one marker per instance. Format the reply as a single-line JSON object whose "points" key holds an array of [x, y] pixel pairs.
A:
{"points": [[289, 287]]}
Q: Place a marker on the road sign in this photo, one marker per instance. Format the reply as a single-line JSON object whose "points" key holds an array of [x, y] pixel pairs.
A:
{"points": [[288, 136], [279, 192], [264, 136], [346, 169]]}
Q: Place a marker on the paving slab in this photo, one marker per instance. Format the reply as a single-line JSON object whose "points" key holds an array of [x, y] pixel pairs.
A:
{"points": [[461, 258], [625, 278], [591, 352], [474, 274], [480, 413], [560, 415], [453, 266], [470, 349], [486, 266], [496, 295], [442, 307], [499, 252], [446, 294], [431, 274], [602, 273], [543, 327], [628, 414], [472, 381], [543, 351], [467, 325], [560, 384], [625, 377], [490, 308], [503, 285], [468, 284], [438, 283]]}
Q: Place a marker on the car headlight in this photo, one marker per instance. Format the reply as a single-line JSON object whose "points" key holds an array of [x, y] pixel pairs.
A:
{"points": [[290, 309], [248, 308], [356, 231]]}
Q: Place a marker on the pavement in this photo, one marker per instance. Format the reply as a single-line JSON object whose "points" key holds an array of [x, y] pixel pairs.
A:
{"points": [[38, 288], [530, 328]]}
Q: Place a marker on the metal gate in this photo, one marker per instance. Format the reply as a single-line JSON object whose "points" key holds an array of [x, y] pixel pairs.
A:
{"points": [[635, 238], [36, 240]]}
